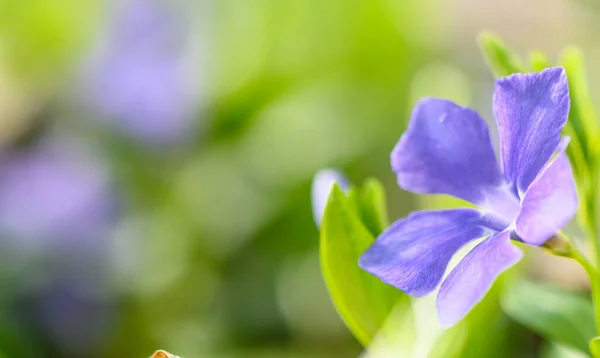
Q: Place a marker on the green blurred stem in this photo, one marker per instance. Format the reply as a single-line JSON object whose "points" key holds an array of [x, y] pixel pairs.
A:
{"points": [[595, 279], [592, 271], [592, 235], [591, 230]]}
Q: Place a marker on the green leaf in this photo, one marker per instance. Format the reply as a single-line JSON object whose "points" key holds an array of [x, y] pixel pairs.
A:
{"points": [[595, 347], [398, 337], [362, 300], [557, 314], [500, 59], [554, 350], [581, 116], [372, 206]]}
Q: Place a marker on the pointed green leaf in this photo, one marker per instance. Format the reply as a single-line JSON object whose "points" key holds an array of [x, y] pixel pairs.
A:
{"points": [[362, 300], [500, 59], [372, 206], [557, 314]]}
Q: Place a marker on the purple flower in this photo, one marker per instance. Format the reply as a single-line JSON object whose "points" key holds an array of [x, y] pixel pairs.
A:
{"points": [[68, 314], [321, 188], [55, 208], [53, 193], [139, 81], [447, 150]]}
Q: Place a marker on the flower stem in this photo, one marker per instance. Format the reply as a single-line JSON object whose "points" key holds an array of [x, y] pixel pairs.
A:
{"points": [[595, 281], [592, 235], [591, 271]]}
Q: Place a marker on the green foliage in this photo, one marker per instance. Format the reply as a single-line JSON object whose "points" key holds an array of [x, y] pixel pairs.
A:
{"points": [[556, 314], [372, 206], [554, 350], [581, 116], [538, 60], [39, 39], [362, 300], [500, 59], [595, 347]]}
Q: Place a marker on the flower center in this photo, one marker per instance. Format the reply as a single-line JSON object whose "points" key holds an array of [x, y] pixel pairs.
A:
{"points": [[502, 207]]}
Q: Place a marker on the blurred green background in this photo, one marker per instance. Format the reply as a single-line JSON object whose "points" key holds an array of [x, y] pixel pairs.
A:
{"points": [[156, 161]]}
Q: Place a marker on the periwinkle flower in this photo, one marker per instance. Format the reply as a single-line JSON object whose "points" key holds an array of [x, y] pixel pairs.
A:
{"points": [[72, 317], [139, 80], [321, 188], [55, 208], [50, 193], [447, 150]]}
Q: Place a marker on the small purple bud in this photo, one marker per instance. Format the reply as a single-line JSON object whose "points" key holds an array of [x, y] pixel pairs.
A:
{"points": [[321, 187]]}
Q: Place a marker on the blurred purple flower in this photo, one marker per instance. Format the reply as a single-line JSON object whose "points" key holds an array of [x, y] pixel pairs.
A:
{"points": [[55, 208], [51, 193], [321, 188], [139, 80], [447, 150], [73, 318]]}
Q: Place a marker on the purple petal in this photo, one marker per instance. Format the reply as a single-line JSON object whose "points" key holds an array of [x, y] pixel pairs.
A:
{"points": [[531, 110], [470, 280], [446, 150], [549, 203], [321, 187], [414, 252]]}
